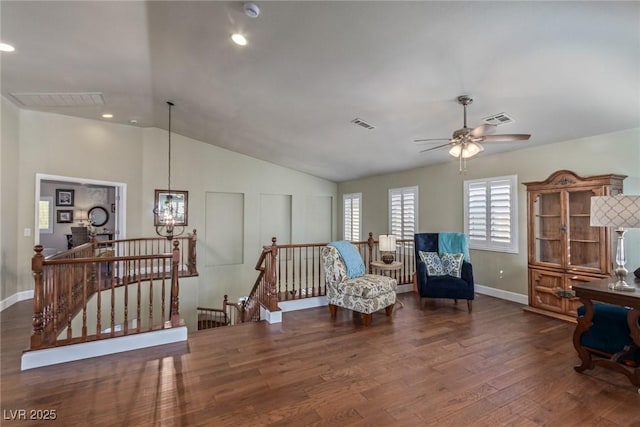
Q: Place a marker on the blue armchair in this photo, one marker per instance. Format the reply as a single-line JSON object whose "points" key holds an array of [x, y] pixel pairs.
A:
{"points": [[442, 286]]}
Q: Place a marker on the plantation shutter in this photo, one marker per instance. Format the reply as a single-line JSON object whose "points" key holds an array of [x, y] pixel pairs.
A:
{"points": [[403, 212], [490, 213], [500, 211], [352, 216], [477, 208]]}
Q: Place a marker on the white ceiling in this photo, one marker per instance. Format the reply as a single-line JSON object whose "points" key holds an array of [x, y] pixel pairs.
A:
{"points": [[562, 70]]}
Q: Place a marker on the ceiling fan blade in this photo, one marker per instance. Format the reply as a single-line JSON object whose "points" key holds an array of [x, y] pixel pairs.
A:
{"points": [[506, 137], [431, 139], [435, 148], [485, 129]]}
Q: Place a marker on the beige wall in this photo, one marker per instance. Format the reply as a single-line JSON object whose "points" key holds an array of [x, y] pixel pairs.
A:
{"points": [[93, 149], [441, 195], [9, 155]]}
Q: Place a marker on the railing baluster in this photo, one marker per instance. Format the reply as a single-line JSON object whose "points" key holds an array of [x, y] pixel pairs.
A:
{"points": [[68, 313], [149, 327], [175, 287], [84, 303], [139, 301], [162, 317]]}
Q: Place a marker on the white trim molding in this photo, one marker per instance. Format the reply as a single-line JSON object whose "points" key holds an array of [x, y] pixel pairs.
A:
{"points": [[69, 353], [17, 297], [502, 294]]}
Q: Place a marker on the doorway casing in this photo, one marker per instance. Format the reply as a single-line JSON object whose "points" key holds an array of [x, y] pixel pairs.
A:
{"points": [[120, 231]]}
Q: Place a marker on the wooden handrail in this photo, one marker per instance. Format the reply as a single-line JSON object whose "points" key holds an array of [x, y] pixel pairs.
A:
{"points": [[64, 285], [295, 271], [231, 313]]}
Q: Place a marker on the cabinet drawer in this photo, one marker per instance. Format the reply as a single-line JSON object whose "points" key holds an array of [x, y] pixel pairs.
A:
{"points": [[544, 286]]}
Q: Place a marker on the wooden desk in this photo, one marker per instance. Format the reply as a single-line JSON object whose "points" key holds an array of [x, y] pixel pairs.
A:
{"points": [[599, 291]]}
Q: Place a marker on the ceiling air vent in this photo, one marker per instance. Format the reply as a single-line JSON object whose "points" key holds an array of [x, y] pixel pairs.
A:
{"points": [[59, 99], [498, 119], [362, 123]]}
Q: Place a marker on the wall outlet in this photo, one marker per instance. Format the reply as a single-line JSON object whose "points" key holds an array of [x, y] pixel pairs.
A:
{"points": [[501, 274], [27, 232]]}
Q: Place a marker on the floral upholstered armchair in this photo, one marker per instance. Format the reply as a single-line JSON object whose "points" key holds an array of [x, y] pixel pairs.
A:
{"points": [[366, 293]]}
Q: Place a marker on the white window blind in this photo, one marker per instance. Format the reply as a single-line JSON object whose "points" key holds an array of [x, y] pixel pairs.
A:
{"points": [[403, 212], [491, 212], [45, 215], [352, 212]]}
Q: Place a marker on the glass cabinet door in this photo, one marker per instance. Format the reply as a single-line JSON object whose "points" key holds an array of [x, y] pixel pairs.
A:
{"points": [[548, 228], [584, 241]]}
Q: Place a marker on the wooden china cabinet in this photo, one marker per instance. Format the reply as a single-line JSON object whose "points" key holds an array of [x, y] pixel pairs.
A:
{"points": [[563, 248]]}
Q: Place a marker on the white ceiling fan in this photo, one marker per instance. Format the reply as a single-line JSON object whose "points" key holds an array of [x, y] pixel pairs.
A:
{"points": [[466, 142]]}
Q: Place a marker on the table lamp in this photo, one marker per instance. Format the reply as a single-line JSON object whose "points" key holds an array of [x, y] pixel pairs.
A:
{"points": [[387, 246], [621, 212]]}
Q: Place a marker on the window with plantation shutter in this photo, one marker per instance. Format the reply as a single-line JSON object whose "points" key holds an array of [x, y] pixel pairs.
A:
{"points": [[491, 212], [403, 212], [45, 215], [351, 213]]}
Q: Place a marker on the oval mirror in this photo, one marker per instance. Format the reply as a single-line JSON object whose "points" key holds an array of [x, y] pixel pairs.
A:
{"points": [[98, 216]]}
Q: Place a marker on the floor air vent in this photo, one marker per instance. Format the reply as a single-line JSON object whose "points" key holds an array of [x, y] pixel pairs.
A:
{"points": [[362, 123], [498, 119]]}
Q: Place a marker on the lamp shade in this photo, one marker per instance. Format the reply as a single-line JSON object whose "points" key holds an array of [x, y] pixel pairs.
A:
{"points": [[81, 215], [615, 211], [387, 243]]}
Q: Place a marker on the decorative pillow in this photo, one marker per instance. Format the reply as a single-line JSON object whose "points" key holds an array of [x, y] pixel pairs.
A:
{"points": [[434, 265], [452, 264]]}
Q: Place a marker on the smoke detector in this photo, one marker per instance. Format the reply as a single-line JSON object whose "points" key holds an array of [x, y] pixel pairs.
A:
{"points": [[251, 10]]}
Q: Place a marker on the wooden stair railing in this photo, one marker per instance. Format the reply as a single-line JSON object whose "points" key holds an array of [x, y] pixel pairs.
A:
{"points": [[97, 279], [295, 271], [231, 313]]}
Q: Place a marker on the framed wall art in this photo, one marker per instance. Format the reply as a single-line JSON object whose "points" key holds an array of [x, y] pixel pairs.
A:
{"points": [[64, 197], [64, 216]]}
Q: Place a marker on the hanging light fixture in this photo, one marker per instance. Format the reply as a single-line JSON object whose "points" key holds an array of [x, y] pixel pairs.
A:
{"points": [[167, 209], [465, 150]]}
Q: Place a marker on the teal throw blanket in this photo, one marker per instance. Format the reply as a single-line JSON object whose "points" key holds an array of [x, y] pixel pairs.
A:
{"points": [[351, 258], [453, 243]]}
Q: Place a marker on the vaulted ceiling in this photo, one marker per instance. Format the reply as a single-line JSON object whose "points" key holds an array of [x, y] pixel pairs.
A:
{"points": [[561, 70]]}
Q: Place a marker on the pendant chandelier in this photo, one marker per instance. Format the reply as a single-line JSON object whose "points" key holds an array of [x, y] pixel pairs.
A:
{"points": [[167, 210]]}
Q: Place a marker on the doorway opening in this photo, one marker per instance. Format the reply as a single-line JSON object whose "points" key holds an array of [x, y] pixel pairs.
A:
{"points": [[63, 202]]}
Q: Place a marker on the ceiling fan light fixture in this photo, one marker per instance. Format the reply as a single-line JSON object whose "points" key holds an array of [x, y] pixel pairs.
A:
{"points": [[471, 149], [466, 150], [456, 150]]}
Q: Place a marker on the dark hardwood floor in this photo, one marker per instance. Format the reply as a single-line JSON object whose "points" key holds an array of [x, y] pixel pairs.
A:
{"points": [[427, 365]]}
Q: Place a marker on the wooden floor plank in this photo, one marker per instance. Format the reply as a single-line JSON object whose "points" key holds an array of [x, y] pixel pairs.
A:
{"points": [[431, 363]]}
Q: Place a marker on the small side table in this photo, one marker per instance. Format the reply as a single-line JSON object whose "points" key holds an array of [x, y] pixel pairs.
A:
{"points": [[382, 268]]}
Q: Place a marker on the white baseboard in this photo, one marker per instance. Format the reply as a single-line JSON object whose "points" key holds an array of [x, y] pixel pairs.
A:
{"points": [[69, 353], [301, 304], [408, 287], [502, 294], [270, 316], [17, 297]]}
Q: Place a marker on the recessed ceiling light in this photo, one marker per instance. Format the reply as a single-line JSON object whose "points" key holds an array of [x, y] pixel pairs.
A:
{"points": [[6, 47], [107, 116], [133, 121], [239, 39]]}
